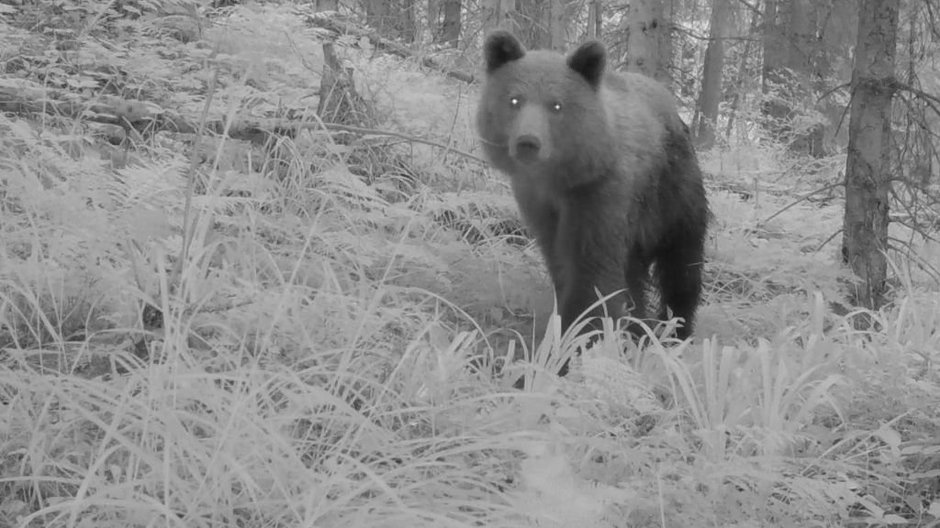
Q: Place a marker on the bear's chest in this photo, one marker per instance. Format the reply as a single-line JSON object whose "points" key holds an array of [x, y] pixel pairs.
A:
{"points": [[538, 197]]}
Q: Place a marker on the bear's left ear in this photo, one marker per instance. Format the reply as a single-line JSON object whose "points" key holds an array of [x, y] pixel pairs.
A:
{"points": [[589, 60], [501, 47]]}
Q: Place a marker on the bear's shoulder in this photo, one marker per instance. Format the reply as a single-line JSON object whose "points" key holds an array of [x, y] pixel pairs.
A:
{"points": [[640, 90], [640, 113]]}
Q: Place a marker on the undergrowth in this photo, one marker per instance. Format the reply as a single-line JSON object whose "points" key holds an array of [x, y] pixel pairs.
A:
{"points": [[328, 340]]}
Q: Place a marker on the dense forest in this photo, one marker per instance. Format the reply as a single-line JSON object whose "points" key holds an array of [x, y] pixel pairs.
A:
{"points": [[256, 270]]}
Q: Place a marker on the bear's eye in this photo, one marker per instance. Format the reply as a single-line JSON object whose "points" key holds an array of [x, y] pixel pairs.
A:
{"points": [[515, 102], [556, 107]]}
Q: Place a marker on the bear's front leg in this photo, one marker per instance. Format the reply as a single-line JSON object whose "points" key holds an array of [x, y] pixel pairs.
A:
{"points": [[589, 260], [590, 257]]}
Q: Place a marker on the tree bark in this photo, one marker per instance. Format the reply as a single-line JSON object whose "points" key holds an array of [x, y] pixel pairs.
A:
{"points": [[710, 96], [649, 43], [867, 170]]}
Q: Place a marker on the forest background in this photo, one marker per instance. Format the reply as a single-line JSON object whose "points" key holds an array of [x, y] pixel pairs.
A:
{"points": [[254, 272]]}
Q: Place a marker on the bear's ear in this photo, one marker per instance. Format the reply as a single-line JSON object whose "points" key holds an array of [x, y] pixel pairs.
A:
{"points": [[589, 60], [501, 47]]}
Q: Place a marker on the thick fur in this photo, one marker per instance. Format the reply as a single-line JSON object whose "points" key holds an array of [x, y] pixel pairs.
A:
{"points": [[604, 173]]}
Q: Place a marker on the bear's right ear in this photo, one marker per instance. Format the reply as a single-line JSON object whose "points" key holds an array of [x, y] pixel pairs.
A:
{"points": [[589, 60], [501, 47]]}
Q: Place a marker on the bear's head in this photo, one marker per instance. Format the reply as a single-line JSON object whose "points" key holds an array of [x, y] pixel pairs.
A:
{"points": [[541, 114]]}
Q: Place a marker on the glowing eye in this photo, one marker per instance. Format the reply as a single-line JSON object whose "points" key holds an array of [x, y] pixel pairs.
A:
{"points": [[556, 107], [515, 102]]}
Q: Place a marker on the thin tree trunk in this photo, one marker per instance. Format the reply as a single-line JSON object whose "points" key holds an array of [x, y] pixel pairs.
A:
{"points": [[804, 52], [435, 27], [450, 30], [867, 171], [774, 78], [558, 25], [740, 82], [710, 96], [795, 64], [595, 18], [407, 21], [649, 43]]}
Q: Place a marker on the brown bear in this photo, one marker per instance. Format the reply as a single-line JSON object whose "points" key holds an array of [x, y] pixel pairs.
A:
{"points": [[605, 176]]}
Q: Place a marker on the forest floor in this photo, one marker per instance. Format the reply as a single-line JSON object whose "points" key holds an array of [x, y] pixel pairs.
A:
{"points": [[314, 329]]}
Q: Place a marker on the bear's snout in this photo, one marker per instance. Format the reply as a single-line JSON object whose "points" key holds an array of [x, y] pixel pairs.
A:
{"points": [[527, 148], [530, 139]]}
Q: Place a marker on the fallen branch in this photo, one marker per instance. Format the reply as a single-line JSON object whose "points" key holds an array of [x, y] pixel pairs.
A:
{"points": [[25, 98]]}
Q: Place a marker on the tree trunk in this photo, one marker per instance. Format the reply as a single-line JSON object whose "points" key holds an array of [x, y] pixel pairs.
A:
{"points": [[595, 19], [446, 31], [740, 83], [558, 25], [837, 32], [786, 65], [435, 27], [774, 76], [340, 103], [710, 96], [405, 20], [867, 170], [450, 29], [649, 42], [803, 55]]}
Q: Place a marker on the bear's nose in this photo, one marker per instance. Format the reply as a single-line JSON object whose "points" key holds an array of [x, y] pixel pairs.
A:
{"points": [[527, 147]]}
